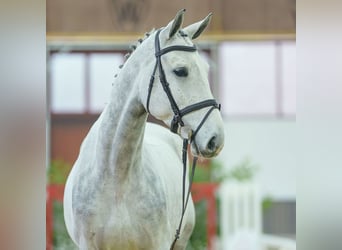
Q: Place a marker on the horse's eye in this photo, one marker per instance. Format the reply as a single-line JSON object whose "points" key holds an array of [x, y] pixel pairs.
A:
{"points": [[181, 71]]}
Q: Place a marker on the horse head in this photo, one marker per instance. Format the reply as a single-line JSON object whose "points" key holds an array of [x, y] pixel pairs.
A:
{"points": [[178, 92]]}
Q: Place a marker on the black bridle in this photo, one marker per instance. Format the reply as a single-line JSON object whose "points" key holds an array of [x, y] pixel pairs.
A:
{"points": [[177, 122]]}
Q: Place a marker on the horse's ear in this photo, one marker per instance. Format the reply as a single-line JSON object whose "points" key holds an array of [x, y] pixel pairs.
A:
{"points": [[176, 23], [194, 30]]}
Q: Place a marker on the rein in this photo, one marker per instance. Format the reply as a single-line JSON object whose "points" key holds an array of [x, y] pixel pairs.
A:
{"points": [[177, 123]]}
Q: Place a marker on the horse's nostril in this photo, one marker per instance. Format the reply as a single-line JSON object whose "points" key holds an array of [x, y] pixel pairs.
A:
{"points": [[212, 144]]}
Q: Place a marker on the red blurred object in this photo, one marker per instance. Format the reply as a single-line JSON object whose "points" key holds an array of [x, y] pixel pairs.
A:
{"points": [[54, 193], [206, 191]]}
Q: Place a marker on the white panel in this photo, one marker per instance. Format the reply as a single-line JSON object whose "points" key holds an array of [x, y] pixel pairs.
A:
{"points": [[67, 83], [103, 67], [247, 77], [269, 144], [288, 63]]}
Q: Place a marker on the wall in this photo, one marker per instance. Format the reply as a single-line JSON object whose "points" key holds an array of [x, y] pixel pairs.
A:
{"points": [[270, 144], [117, 16]]}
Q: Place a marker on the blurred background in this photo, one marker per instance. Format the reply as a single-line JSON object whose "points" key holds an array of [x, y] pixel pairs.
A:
{"points": [[246, 197]]}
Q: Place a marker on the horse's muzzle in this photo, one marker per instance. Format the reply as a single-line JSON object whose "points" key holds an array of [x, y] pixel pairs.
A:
{"points": [[212, 148]]}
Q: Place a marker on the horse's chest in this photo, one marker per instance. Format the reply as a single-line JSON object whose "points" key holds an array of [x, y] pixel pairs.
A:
{"points": [[138, 216], [147, 201]]}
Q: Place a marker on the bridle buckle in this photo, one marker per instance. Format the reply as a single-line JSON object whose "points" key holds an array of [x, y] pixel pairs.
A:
{"points": [[185, 132], [176, 122]]}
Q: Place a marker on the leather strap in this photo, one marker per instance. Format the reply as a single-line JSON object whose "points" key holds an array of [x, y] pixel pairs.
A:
{"points": [[185, 199], [191, 108], [176, 47]]}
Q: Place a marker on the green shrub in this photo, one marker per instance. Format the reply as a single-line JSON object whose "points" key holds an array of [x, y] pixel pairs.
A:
{"points": [[58, 172]]}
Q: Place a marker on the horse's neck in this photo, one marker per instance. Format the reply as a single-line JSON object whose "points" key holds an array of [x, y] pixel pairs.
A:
{"points": [[121, 129]]}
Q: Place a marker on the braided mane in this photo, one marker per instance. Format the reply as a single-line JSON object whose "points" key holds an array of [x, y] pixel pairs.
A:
{"points": [[134, 46]]}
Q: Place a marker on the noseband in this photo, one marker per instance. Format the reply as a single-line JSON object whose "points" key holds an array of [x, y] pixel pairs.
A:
{"points": [[177, 121]]}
